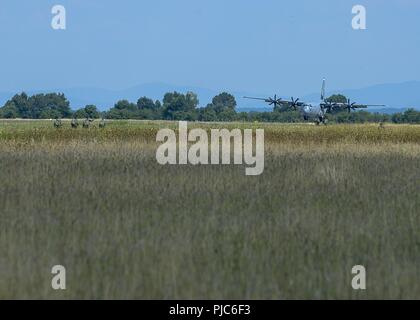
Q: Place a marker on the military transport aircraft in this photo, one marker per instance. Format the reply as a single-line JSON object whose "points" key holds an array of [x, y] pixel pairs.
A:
{"points": [[315, 111]]}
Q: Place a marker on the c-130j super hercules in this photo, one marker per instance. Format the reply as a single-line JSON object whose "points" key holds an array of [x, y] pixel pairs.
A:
{"points": [[315, 111]]}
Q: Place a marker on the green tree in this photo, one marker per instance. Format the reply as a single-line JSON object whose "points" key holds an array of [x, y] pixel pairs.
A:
{"points": [[49, 105], [226, 115], [397, 117], [207, 115], [223, 102], [89, 111], [92, 111], [411, 116], [337, 98], [18, 107], [146, 103], [178, 106], [80, 114], [9, 111], [148, 109], [123, 109], [222, 108], [125, 105]]}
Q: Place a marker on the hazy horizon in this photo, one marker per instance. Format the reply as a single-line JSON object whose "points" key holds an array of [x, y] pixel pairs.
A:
{"points": [[395, 96]]}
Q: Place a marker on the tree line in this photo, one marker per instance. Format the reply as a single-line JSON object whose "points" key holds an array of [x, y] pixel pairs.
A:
{"points": [[179, 106]]}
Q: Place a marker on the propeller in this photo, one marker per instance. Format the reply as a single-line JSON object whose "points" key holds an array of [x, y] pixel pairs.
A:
{"points": [[325, 105], [294, 103], [271, 101], [274, 101], [350, 106], [347, 105]]}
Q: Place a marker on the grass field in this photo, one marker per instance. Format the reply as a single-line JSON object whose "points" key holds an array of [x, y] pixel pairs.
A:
{"points": [[96, 201]]}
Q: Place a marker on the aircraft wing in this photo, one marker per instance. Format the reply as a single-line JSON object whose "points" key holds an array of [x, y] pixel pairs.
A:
{"points": [[261, 99], [368, 105], [345, 105]]}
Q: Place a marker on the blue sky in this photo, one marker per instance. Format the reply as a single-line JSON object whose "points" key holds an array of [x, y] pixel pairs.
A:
{"points": [[257, 46]]}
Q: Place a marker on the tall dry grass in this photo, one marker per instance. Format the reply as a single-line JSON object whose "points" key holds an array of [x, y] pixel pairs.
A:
{"points": [[124, 227]]}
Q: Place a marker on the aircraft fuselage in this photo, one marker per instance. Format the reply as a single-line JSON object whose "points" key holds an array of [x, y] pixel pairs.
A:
{"points": [[312, 111]]}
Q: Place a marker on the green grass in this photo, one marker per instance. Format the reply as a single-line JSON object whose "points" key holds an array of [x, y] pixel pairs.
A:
{"points": [[97, 202]]}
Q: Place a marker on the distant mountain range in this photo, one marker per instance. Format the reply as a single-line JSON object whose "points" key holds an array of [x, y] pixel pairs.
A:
{"points": [[396, 96]]}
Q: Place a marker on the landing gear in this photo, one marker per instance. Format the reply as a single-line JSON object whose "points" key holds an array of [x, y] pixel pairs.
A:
{"points": [[322, 120]]}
